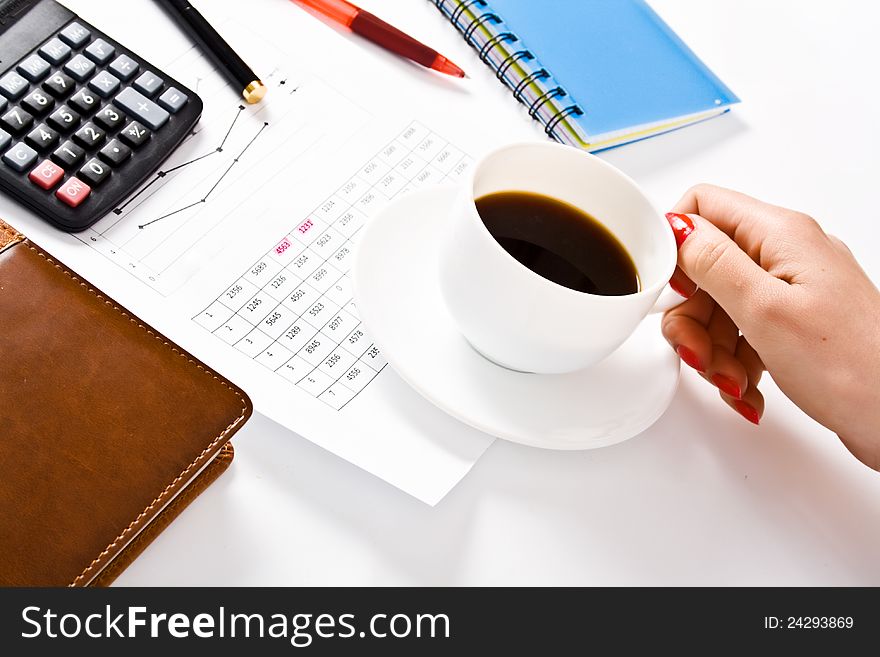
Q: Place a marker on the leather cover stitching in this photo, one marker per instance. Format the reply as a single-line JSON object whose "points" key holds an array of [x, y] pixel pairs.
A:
{"points": [[161, 498]]}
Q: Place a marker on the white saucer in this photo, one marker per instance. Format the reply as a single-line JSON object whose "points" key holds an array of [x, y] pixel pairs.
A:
{"points": [[399, 300]]}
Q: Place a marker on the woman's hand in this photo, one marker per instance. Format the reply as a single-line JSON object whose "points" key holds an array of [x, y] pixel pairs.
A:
{"points": [[770, 290]]}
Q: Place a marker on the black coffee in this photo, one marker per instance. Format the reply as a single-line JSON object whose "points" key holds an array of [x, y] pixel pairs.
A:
{"points": [[560, 242]]}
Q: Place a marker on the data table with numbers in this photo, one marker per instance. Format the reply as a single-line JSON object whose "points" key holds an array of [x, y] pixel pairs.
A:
{"points": [[292, 311]]}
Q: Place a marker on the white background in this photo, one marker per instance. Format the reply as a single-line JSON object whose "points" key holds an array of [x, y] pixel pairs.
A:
{"points": [[702, 497]]}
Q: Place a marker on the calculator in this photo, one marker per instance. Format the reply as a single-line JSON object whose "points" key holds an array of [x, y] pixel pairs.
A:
{"points": [[83, 120]]}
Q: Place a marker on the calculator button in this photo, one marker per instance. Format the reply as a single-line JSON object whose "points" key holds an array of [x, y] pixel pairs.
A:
{"points": [[109, 117], [84, 101], [172, 99], [148, 83], [12, 85], [42, 137], [89, 135], [94, 171], [59, 85], [80, 67], [75, 35], [34, 68], [134, 134], [38, 102], [16, 120], [115, 153], [46, 175], [104, 84], [55, 51], [68, 154], [5, 138], [139, 107], [63, 118], [20, 156], [123, 67], [100, 51], [73, 192]]}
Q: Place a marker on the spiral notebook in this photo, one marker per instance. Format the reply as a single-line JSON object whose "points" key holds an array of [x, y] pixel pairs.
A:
{"points": [[595, 73]]}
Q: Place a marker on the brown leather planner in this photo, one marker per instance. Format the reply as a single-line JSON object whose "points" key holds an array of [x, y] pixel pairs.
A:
{"points": [[107, 428]]}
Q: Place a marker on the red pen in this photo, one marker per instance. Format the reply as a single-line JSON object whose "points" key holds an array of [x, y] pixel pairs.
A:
{"points": [[382, 34]]}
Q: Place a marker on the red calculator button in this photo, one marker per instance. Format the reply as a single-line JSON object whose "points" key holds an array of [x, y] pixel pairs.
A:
{"points": [[46, 175], [73, 192]]}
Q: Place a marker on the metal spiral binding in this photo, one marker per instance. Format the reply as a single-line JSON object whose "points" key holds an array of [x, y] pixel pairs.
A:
{"points": [[559, 116], [468, 29], [510, 60], [475, 24], [540, 74], [496, 40], [540, 101], [461, 8]]}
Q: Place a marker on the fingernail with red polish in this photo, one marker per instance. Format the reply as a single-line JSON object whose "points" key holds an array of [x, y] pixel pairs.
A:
{"points": [[690, 358], [675, 286], [726, 385], [747, 411], [682, 226]]}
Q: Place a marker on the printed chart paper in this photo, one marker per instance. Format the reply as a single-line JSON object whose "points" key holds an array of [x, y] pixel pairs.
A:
{"points": [[240, 247]]}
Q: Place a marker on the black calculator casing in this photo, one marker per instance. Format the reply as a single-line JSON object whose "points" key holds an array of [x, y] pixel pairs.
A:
{"points": [[25, 25]]}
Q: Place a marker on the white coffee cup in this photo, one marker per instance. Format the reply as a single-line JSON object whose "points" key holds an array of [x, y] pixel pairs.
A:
{"points": [[523, 321]]}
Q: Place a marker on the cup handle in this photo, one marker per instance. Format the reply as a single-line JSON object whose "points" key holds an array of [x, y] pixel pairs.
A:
{"points": [[668, 300]]}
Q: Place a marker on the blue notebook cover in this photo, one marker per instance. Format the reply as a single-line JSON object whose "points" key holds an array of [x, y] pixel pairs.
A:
{"points": [[617, 60]]}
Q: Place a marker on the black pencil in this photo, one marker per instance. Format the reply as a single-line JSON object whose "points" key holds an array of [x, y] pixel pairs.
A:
{"points": [[213, 45]]}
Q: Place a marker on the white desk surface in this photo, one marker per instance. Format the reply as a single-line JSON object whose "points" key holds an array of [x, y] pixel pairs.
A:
{"points": [[702, 497]]}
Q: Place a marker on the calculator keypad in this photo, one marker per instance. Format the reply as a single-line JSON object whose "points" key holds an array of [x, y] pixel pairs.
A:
{"points": [[37, 102], [16, 120], [55, 51], [100, 51], [124, 67], [73, 192], [135, 134], [115, 153], [104, 84], [77, 113], [94, 172], [89, 136], [109, 117], [63, 118], [80, 67], [46, 175], [84, 101], [75, 35], [68, 154], [34, 68], [172, 99], [20, 156], [59, 85], [42, 137], [12, 85], [142, 108], [148, 83]]}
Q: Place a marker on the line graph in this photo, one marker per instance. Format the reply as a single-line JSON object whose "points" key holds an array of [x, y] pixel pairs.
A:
{"points": [[163, 172], [190, 210], [219, 149]]}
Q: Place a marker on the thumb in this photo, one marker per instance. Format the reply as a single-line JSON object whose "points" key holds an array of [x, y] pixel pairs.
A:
{"points": [[719, 266]]}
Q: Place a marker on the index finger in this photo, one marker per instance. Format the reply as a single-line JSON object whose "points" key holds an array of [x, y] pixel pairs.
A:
{"points": [[746, 220]]}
